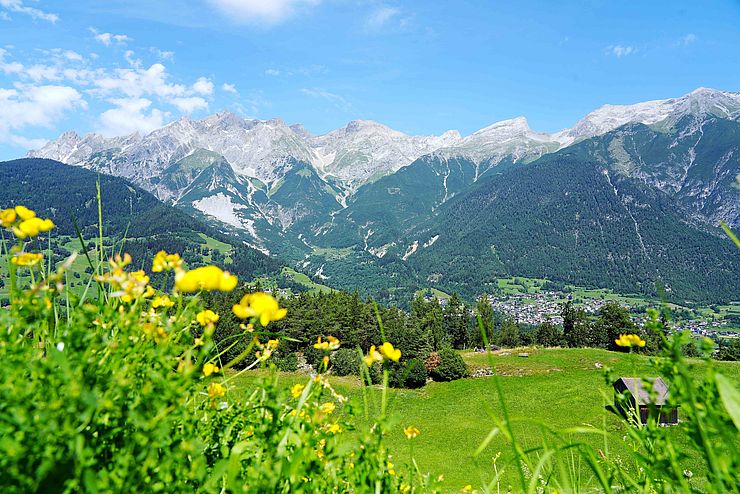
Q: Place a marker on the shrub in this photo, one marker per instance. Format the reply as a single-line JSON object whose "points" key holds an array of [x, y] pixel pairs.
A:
{"points": [[345, 361], [416, 374], [313, 356], [451, 366], [286, 361]]}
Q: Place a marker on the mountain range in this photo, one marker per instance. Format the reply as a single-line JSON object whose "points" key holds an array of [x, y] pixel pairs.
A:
{"points": [[369, 207]]}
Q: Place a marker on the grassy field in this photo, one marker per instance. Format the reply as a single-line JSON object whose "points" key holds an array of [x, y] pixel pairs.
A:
{"points": [[552, 388], [304, 280]]}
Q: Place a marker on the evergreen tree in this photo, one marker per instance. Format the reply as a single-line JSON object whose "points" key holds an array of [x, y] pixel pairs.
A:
{"points": [[485, 314], [509, 336], [456, 322], [613, 320], [547, 334]]}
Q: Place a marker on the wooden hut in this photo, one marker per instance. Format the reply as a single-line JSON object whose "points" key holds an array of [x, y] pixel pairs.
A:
{"points": [[640, 398]]}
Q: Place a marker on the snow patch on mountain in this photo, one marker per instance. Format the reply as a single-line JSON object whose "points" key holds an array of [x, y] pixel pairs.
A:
{"points": [[219, 206]]}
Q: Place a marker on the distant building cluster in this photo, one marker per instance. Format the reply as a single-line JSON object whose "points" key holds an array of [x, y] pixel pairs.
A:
{"points": [[536, 308]]}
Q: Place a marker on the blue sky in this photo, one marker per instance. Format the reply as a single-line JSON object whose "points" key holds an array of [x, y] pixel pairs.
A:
{"points": [[421, 67]]}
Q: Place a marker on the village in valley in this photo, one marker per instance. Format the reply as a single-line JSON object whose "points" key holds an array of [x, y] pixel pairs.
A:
{"points": [[532, 301]]}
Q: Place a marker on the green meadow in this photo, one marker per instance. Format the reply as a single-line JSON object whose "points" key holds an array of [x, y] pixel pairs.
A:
{"points": [[551, 389]]}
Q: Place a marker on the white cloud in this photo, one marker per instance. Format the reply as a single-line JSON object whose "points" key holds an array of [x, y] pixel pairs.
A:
{"points": [[162, 54], [620, 51], [203, 86], [34, 106], [273, 72], [9, 67], [137, 82], [135, 98], [229, 88], [18, 7], [73, 56], [333, 98], [688, 39], [129, 57], [109, 38], [131, 115], [264, 12], [190, 104], [380, 16]]}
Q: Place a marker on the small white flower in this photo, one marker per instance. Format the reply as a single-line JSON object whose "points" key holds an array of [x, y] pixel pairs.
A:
{"points": [[60, 346]]}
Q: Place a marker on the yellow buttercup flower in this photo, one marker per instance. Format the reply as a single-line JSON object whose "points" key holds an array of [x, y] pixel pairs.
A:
{"points": [[331, 343], [259, 305], [328, 408], [411, 432], [467, 488], [7, 217], [208, 278], [333, 428], [165, 262], [24, 213], [32, 227], [209, 369], [296, 390], [390, 353], [207, 317], [162, 301], [372, 357], [216, 390], [27, 259], [391, 470], [629, 340], [118, 262]]}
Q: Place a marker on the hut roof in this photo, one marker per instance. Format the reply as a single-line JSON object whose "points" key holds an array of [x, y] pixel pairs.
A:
{"points": [[642, 392]]}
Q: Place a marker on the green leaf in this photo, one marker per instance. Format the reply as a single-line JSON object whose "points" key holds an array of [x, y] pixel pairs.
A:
{"points": [[730, 398]]}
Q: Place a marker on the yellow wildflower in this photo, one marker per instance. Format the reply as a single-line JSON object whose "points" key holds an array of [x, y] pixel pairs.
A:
{"points": [[333, 428], [372, 357], [208, 278], [296, 390], [411, 432], [24, 213], [467, 488], [209, 369], [27, 259], [206, 317], [629, 340], [165, 262], [162, 301], [405, 488], [327, 408], [391, 470], [216, 390], [331, 343], [118, 262], [390, 353], [7, 217], [259, 305], [32, 227]]}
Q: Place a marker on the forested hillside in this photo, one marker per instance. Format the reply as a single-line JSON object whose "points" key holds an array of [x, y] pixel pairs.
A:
{"points": [[572, 220]]}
